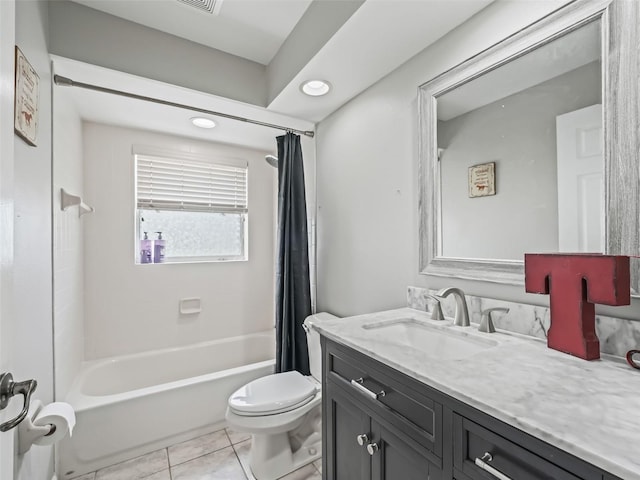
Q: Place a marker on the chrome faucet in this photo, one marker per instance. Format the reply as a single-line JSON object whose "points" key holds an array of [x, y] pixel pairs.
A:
{"points": [[436, 313], [462, 312], [486, 322]]}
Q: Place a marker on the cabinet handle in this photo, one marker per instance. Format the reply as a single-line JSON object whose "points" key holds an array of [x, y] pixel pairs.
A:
{"points": [[358, 384], [483, 463], [372, 448], [362, 439]]}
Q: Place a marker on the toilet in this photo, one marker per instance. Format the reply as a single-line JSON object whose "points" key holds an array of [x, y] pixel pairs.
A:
{"points": [[282, 413]]}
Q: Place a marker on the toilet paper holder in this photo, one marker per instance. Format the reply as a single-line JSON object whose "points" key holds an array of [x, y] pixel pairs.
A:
{"points": [[28, 433], [9, 388]]}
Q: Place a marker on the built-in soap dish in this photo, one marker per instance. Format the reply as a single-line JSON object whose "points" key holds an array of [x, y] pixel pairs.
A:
{"points": [[68, 200]]}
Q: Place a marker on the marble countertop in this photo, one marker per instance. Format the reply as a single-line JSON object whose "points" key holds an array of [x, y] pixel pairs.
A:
{"points": [[590, 409]]}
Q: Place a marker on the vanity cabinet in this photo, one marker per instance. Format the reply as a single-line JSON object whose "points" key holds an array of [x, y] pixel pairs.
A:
{"points": [[363, 448], [376, 427], [346, 423], [398, 457], [472, 441], [379, 424]]}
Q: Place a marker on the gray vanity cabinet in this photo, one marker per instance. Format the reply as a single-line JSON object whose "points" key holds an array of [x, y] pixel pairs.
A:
{"points": [[346, 422], [381, 424], [376, 428], [472, 441], [363, 449], [399, 458]]}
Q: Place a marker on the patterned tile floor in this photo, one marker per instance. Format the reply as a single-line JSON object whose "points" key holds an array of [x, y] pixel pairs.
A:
{"points": [[221, 455]]}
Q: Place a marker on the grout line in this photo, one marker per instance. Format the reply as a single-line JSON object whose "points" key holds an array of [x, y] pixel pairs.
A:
{"points": [[168, 462], [231, 441], [228, 436], [135, 458], [199, 456], [169, 466], [238, 459]]}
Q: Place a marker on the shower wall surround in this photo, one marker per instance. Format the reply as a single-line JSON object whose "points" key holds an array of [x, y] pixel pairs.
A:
{"points": [[68, 245], [616, 335], [132, 308]]}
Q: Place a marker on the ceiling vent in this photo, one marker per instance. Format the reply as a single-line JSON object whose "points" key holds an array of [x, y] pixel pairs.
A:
{"points": [[208, 6]]}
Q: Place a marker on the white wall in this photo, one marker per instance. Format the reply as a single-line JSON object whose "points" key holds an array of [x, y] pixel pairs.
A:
{"points": [[132, 308], [95, 37], [367, 171], [68, 284], [32, 329]]}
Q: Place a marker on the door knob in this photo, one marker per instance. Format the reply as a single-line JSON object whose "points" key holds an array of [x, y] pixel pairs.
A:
{"points": [[372, 448], [9, 388], [362, 439]]}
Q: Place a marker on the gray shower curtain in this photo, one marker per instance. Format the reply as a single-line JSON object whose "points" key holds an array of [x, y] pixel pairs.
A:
{"points": [[293, 293]]}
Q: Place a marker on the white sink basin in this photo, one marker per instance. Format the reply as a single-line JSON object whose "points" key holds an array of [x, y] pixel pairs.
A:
{"points": [[437, 341]]}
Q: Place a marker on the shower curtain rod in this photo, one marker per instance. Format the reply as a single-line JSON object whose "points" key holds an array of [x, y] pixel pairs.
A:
{"points": [[67, 82]]}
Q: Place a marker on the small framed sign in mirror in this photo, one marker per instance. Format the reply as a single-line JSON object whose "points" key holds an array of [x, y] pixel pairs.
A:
{"points": [[482, 180]]}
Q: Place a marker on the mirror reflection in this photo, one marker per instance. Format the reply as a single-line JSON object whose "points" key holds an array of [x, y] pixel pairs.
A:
{"points": [[521, 160]]}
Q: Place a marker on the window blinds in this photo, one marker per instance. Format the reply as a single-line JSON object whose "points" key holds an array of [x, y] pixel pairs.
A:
{"points": [[164, 183]]}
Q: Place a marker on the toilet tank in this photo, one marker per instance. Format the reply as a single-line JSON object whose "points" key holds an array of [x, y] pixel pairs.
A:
{"points": [[313, 342]]}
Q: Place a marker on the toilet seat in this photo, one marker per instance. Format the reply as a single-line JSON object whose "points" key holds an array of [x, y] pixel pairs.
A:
{"points": [[273, 394]]}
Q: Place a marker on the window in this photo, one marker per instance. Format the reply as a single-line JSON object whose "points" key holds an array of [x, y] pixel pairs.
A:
{"points": [[199, 206]]}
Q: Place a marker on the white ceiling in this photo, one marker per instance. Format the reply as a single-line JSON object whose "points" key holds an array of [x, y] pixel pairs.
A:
{"points": [[115, 110], [379, 37], [375, 40], [252, 29], [564, 54]]}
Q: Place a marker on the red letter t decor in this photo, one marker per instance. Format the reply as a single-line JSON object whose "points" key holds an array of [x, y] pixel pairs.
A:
{"points": [[576, 282]]}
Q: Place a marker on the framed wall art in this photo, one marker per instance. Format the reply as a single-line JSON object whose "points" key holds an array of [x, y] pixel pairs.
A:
{"points": [[482, 180], [27, 84]]}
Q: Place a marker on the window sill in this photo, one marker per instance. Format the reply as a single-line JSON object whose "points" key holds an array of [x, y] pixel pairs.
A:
{"points": [[187, 260]]}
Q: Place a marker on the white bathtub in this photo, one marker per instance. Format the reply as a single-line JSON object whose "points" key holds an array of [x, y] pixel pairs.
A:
{"points": [[130, 405]]}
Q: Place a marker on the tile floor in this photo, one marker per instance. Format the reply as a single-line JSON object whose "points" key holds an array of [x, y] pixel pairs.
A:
{"points": [[221, 455]]}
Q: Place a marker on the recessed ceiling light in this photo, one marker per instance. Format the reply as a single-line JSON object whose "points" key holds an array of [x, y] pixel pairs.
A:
{"points": [[316, 88], [203, 122]]}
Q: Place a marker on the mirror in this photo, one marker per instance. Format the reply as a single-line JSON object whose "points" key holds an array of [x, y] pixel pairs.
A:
{"points": [[546, 191], [523, 149]]}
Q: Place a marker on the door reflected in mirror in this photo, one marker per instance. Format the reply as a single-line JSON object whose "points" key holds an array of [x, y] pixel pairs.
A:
{"points": [[539, 118]]}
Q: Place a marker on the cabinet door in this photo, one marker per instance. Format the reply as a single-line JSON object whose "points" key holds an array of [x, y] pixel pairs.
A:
{"points": [[473, 442], [394, 458], [344, 458]]}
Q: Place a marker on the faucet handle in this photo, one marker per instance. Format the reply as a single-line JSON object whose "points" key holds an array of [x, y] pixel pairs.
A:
{"points": [[486, 322], [436, 314]]}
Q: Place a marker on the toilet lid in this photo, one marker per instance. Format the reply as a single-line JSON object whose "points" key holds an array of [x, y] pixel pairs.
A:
{"points": [[275, 393]]}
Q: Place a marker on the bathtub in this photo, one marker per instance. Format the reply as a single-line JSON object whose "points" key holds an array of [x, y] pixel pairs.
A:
{"points": [[130, 405]]}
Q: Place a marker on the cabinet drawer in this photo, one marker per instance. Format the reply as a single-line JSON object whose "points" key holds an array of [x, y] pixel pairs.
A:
{"points": [[471, 442], [396, 398]]}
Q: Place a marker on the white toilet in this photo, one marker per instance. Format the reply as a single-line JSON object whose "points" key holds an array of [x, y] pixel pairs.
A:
{"points": [[282, 413]]}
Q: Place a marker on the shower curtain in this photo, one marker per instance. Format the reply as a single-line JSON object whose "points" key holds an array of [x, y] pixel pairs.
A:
{"points": [[293, 293]]}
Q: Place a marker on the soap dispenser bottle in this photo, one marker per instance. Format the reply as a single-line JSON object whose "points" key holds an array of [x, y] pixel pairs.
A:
{"points": [[158, 249], [146, 248]]}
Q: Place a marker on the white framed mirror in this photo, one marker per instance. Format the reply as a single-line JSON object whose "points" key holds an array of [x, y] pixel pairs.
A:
{"points": [[532, 146]]}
